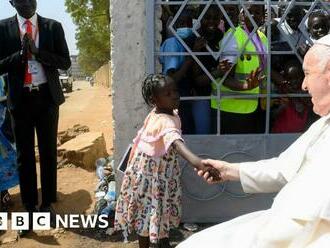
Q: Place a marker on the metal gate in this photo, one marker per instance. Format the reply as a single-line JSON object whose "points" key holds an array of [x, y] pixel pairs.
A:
{"points": [[202, 202]]}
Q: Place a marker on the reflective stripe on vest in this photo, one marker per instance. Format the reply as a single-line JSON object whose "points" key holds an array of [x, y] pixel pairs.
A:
{"points": [[242, 70]]}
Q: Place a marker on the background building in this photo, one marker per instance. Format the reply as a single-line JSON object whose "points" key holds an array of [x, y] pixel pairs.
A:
{"points": [[75, 69]]}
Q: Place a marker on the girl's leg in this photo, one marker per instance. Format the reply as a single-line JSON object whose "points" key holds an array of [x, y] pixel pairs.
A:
{"points": [[144, 242]]}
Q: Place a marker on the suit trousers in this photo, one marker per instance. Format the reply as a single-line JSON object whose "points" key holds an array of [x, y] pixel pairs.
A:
{"points": [[37, 113]]}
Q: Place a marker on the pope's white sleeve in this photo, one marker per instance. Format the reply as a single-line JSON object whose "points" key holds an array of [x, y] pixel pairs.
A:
{"points": [[263, 176]]}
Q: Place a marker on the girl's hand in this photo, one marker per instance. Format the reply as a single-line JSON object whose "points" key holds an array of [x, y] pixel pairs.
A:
{"points": [[227, 171], [211, 172], [195, 161]]}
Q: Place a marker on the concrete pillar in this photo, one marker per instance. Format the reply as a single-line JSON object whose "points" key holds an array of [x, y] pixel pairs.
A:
{"points": [[128, 67]]}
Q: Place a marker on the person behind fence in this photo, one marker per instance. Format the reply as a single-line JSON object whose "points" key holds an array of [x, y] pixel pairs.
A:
{"points": [[210, 35], [232, 11], [179, 66], [318, 24], [149, 202], [300, 214], [242, 115], [292, 114], [290, 32]]}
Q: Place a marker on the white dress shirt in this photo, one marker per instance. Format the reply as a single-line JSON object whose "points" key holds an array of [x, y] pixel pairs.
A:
{"points": [[39, 77]]}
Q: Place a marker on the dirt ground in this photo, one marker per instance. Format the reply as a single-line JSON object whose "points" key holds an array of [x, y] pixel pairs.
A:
{"points": [[89, 106]]}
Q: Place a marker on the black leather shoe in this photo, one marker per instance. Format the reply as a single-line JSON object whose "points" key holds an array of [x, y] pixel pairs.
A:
{"points": [[23, 233], [49, 209]]}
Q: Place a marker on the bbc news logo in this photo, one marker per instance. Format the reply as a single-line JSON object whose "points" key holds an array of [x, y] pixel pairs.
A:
{"points": [[41, 221]]}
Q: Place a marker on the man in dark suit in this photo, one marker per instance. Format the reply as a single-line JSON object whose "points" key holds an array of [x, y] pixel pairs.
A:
{"points": [[32, 49]]}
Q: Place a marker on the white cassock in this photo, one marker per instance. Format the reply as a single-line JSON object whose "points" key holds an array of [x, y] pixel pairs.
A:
{"points": [[300, 214]]}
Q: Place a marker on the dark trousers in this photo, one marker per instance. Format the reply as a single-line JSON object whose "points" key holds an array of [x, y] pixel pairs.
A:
{"points": [[233, 123], [36, 113], [187, 121]]}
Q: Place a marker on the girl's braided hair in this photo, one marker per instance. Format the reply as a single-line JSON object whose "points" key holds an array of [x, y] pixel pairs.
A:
{"points": [[149, 85]]}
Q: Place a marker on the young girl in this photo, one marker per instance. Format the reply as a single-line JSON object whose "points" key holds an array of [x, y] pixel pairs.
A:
{"points": [[150, 199], [292, 116]]}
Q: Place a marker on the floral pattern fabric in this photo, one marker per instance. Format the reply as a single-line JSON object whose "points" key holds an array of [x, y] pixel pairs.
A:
{"points": [[150, 199]]}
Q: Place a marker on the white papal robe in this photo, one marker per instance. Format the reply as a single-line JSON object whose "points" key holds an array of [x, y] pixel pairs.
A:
{"points": [[300, 214]]}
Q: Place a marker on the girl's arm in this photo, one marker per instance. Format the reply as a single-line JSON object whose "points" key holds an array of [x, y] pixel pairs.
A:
{"points": [[194, 160], [184, 152]]}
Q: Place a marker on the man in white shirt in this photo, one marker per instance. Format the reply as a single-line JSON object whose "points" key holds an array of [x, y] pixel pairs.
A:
{"points": [[300, 214]]}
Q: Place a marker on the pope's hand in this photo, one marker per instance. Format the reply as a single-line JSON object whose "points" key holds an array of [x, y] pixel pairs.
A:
{"points": [[227, 171]]}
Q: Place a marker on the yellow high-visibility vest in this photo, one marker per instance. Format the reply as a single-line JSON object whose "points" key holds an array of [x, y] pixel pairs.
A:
{"points": [[243, 69]]}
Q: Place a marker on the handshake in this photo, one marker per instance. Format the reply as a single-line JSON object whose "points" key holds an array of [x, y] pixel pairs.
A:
{"points": [[217, 171], [28, 47], [212, 171]]}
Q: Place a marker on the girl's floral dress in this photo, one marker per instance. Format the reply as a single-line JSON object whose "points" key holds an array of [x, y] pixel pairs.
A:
{"points": [[150, 199]]}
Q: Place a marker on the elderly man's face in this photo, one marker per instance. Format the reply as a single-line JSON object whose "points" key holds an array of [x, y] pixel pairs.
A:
{"points": [[317, 83]]}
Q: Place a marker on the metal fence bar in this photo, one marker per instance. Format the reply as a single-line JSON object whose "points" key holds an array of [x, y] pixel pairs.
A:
{"points": [[269, 5], [268, 85], [244, 96], [150, 32], [223, 53], [273, 3]]}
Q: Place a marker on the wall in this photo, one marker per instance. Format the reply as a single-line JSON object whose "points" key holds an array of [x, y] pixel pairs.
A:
{"points": [[102, 77], [128, 67]]}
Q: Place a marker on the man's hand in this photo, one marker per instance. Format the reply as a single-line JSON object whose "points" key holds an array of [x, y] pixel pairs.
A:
{"points": [[254, 79], [25, 48], [227, 171]]}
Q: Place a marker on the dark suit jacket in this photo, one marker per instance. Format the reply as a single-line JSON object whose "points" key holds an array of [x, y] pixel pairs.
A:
{"points": [[53, 55]]}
